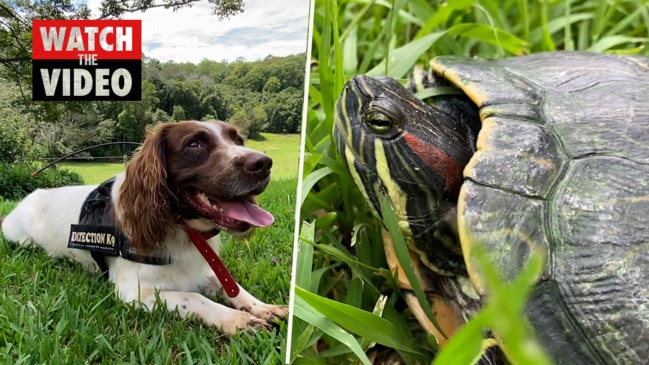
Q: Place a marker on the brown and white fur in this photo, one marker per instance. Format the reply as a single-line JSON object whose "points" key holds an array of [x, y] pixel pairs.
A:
{"points": [[161, 185]]}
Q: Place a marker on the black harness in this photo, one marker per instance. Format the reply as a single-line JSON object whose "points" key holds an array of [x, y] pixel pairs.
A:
{"points": [[96, 219]]}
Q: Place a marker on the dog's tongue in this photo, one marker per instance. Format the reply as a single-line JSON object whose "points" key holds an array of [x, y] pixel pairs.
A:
{"points": [[245, 211]]}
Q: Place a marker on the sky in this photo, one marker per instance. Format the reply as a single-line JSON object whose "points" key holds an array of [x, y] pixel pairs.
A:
{"points": [[265, 28]]}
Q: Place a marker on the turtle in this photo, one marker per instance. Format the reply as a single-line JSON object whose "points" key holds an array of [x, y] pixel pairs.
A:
{"points": [[546, 153]]}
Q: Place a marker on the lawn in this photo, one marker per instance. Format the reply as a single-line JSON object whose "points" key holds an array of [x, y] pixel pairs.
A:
{"points": [[284, 149], [94, 172], [53, 311]]}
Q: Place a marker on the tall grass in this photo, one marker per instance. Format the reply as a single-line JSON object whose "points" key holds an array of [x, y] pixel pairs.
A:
{"points": [[348, 308]]}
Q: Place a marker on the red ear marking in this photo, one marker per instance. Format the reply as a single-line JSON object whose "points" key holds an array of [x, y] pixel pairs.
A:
{"points": [[144, 207], [438, 161]]}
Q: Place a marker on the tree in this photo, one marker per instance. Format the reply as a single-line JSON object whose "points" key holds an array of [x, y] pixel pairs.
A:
{"points": [[16, 130], [272, 85], [143, 109], [16, 24], [116, 8], [284, 110], [213, 104], [160, 115], [170, 91], [105, 131], [128, 128], [216, 71], [238, 70], [187, 94], [179, 113], [15, 33], [250, 120]]}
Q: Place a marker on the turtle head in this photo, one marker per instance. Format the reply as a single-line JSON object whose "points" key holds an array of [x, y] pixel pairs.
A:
{"points": [[395, 144]]}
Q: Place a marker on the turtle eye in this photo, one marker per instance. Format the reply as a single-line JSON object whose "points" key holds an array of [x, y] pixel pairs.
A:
{"points": [[379, 122]]}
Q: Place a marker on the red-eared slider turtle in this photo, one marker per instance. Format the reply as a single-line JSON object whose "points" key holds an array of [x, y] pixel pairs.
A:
{"points": [[546, 153]]}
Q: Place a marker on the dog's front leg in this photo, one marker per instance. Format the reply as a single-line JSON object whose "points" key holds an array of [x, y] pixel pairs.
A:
{"points": [[226, 319], [247, 302]]}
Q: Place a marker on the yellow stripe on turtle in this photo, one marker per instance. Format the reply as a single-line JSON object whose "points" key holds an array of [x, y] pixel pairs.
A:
{"points": [[397, 196], [450, 74]]}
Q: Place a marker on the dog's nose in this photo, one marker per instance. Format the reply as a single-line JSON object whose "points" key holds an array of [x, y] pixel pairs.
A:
{"points": [[257, 163]]}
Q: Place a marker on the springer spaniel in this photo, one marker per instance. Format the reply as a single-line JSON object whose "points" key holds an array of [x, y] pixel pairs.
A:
{"points": [[187, 179]]}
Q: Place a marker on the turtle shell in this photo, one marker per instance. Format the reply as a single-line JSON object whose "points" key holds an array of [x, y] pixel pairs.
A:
{"points": [[562, 168]]}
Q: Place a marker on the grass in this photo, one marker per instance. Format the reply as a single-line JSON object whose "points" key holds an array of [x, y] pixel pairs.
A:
{"points": [[55, 312], [284, 149], [93, 172], [342, 271]]}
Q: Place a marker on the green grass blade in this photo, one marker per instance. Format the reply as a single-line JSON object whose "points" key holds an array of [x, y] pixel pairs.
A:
{"points": [[304, 263], [525, 20], [442, 14], [365, 324], [339, 78], [607, 43], [302, 338], [309, 182], [308, 313], [404, 58], [569, 44], [326, 68], [626, 22], [350, 45], [401, 251], [489, 34], [344, 257], [465, 347], [547, 43]]}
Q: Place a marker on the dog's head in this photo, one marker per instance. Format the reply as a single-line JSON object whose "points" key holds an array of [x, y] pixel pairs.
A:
{"points": [[199, 172]]}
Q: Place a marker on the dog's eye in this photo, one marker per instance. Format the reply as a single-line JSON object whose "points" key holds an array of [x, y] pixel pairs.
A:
{"points": [[194, 144], [238, 141]]}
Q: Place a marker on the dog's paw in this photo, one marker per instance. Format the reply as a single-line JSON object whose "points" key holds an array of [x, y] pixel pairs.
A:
{"points": [[240, 321], [268, 312]]}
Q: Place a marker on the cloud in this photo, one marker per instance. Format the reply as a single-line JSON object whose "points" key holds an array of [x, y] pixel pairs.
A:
{"points": [[277, 28]]}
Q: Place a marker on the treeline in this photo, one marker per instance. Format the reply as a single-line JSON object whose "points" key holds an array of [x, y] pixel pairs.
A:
{"points": [[260, 96]]}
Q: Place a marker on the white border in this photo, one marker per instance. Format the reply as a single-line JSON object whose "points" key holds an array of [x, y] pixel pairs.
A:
{"points": [[296, 234]]}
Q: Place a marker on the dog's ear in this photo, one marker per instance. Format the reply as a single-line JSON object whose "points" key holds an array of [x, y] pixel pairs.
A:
{"points": [[144, 197]]}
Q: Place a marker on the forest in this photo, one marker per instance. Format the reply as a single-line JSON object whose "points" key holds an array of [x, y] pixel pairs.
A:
{"points": [[258, 96]]}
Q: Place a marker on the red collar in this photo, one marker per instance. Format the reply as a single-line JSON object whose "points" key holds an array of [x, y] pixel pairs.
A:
{"points": [[208, 235], [200, 242]]}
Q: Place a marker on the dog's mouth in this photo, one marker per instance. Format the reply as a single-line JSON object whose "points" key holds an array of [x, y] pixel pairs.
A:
{"points": [[233, 214]]}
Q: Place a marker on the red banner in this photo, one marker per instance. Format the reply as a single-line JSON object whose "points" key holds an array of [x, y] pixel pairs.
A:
{"points": [[79, 39], [86, 60]]}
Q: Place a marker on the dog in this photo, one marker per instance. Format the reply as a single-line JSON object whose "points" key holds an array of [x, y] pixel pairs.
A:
{"points": [[187, 178]]}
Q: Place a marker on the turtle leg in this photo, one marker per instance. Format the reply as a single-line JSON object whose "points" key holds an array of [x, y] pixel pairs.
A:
{"points": [[450, 316], [447, 319], [444, 314]]}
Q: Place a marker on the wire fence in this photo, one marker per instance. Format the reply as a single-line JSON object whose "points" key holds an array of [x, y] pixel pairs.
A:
{"points": [[85, 158], [73, 155], [55, 162]]}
